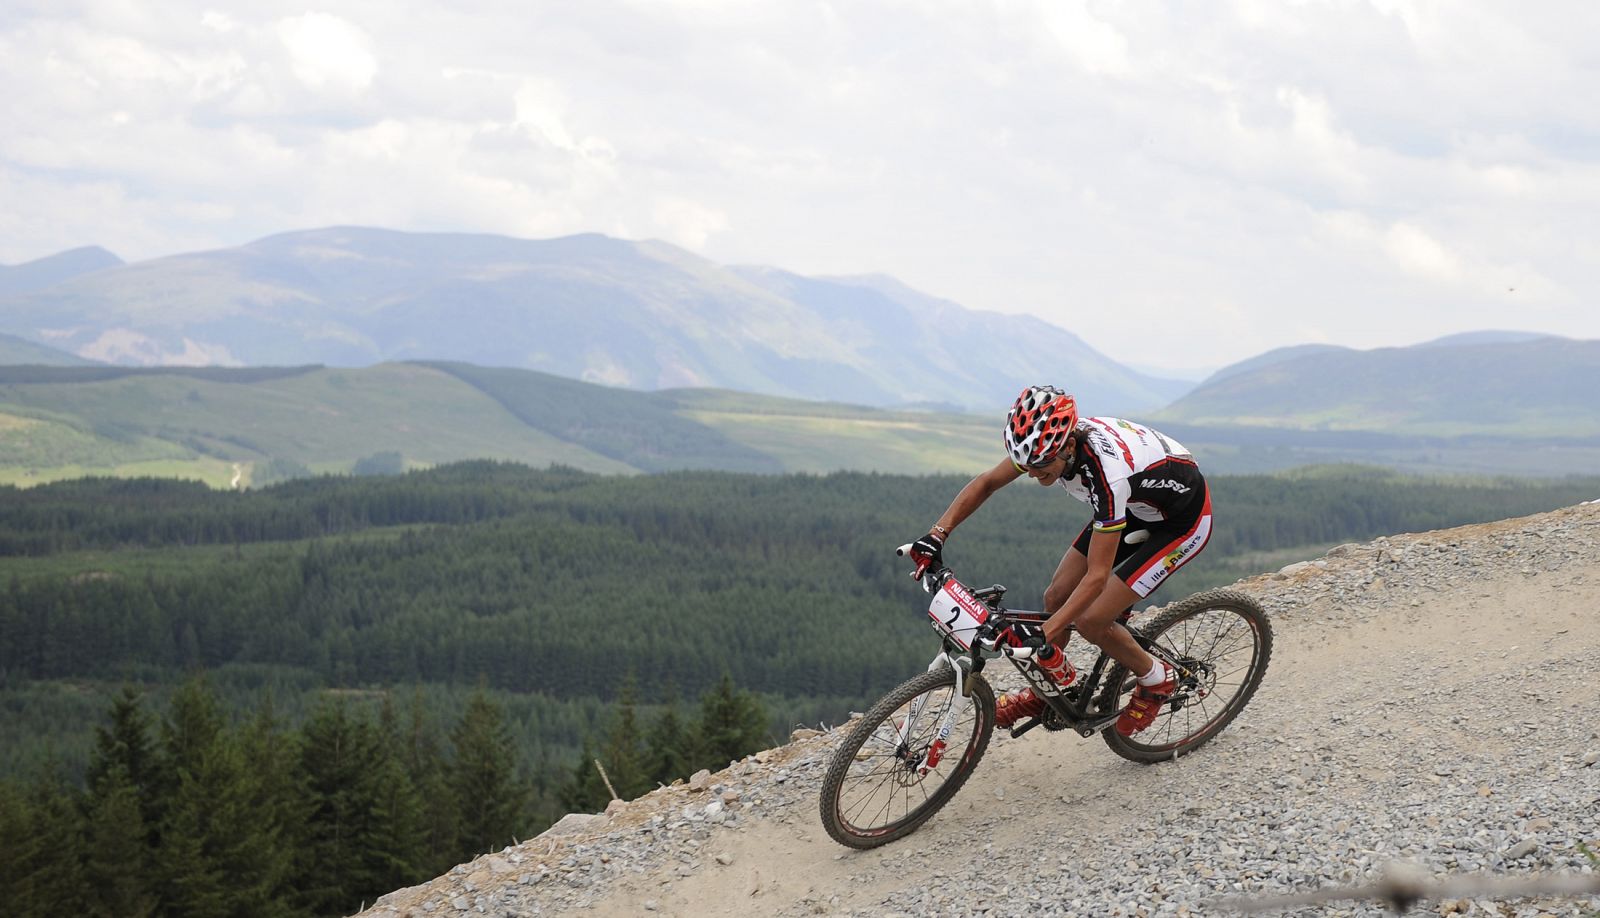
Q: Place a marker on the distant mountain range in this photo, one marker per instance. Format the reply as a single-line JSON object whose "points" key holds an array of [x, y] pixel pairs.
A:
{"points": [[1523, 386], [644, 315], [15, 351], [710, 346], [47, 272]]}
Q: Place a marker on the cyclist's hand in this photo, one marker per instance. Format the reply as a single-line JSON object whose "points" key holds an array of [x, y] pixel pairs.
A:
{"points": [[928, 550]]}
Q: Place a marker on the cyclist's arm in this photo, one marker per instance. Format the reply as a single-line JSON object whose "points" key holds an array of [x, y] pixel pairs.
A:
{"points": [[1102, 555], [975, 493]]}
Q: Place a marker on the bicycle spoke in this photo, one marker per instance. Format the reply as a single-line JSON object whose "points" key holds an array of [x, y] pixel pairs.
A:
{"points": [[1222, 649], [880, 789]]}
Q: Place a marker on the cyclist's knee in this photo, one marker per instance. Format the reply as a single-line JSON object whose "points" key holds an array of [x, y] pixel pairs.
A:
{"points": [[1054, 598], [1093, 628], [1102, 616]]}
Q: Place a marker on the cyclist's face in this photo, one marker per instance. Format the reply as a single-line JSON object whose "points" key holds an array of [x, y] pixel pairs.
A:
{"points": [[1047, 475]]}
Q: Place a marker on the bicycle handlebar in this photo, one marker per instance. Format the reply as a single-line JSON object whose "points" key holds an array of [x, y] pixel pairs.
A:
{"points": [[922, 562]]}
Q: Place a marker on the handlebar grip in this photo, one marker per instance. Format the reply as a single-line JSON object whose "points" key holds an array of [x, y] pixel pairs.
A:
{"points": [[923, 562]]}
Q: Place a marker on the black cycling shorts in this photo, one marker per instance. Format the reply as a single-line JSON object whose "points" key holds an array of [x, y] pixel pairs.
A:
{"points": [[1145, 565]]}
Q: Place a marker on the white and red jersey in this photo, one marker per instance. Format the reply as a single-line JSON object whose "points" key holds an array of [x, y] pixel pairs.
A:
{"points": [[1124, 468]]}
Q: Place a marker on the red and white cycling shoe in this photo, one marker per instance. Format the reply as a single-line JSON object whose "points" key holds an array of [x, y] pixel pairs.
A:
{"points": [[1146, 703], [1018, 705]]}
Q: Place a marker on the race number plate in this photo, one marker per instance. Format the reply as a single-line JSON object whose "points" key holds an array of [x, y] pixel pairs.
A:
{"points": [[956, 612]]}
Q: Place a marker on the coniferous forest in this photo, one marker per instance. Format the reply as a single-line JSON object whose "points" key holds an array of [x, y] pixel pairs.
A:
{"points": [[314, 693]]}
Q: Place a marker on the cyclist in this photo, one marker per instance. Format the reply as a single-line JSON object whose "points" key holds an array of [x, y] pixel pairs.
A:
{"points": [[1151, 515]]}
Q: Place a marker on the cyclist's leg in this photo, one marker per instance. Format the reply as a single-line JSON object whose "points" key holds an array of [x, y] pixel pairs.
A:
{"points": [[1072, 568], [1068, 573], [1099, 624], [1135, 577]]}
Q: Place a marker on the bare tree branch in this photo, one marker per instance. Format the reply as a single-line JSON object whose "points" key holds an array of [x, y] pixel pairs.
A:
{"points": [[602, 769]]}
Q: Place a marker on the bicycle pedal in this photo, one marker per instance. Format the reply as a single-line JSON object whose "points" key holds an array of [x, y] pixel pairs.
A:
{"points": [[1026, 725]]}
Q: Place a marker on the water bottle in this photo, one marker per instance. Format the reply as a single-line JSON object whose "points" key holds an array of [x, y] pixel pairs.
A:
{"points": [[1054, 662]]}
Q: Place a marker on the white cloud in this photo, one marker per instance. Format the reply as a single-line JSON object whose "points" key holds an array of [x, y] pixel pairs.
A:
{"points": [[540, 107], [218, 22], [1419, 253], [327, 52], [688, 223], [1093, 44], [1180, 183]]}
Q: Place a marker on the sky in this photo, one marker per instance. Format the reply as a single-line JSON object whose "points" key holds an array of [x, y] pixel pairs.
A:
{"points": [[1181, 184]]}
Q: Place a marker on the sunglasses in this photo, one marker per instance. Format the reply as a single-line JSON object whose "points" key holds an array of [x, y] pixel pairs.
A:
{"points": [[1034, 466]]}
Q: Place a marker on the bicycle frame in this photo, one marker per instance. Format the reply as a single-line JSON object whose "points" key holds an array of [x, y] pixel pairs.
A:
{"points": [[970, 622]]}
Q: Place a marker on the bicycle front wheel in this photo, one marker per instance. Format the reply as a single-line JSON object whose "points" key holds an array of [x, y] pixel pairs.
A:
{"points": [[880, 786], [1221, 640]]}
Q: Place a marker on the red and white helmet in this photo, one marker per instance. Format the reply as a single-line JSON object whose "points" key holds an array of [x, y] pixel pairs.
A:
{"points": [[1039, 424]]}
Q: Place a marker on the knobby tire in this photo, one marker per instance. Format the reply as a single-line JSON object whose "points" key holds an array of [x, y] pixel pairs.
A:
{"points": [[862, 774], [1227, 633]]}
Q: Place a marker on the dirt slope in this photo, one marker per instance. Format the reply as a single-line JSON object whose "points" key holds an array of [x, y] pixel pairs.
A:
{"points": [[1432, 698]]}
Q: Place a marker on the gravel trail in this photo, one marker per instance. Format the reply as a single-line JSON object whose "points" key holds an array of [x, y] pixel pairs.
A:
{"points": [[1433, 699]]}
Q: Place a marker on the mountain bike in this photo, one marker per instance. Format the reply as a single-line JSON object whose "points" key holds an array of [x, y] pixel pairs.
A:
{"points": [[914, 749]]}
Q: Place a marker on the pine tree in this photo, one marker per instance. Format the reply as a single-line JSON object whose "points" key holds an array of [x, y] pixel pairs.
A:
{"points": [[545, 804], [119, 863], [624, 753], [585, 791], [331, 764], [41, 867], [483, 778], [217, 852], [125, 745], [397, 806], [732, 724], [361, 835], [668, 744], [277, 797], [14, 827], [425, 764], [191, 728]]}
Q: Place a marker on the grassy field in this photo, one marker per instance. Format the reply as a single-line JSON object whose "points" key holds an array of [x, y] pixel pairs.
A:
{"points": [[215, 472], [825, 437], [324, 420]]}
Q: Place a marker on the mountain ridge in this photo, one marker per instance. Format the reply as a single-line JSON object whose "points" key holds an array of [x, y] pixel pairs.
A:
{"points": [[41, 273], [646, 315], [1533, 387], [15, 351]]}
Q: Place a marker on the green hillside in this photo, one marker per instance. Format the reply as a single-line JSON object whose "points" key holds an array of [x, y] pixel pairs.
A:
{"points": [[828, 437], [550, 585], [409, 646], [1529, 389], [14, 350], [240, 427]]}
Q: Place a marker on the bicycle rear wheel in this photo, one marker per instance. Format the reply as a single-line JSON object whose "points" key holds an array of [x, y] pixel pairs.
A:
{"points": [[879, 788], [1223, 641]]}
